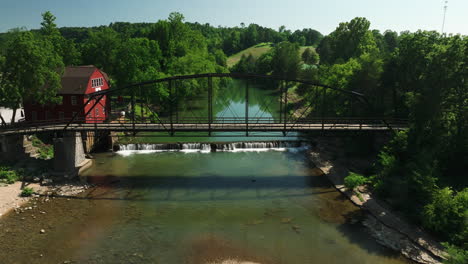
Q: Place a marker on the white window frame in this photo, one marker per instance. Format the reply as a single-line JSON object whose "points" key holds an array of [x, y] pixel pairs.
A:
{"points": [[98, 82], [74, 100]]}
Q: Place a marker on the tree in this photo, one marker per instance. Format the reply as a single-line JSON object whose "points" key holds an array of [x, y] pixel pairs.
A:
{"points": [[33, 73], [251, 36], [245, 65], [391, 40], [63, 47], [263, 64], [101, 49], [49, 28], [350, 39], [285, 60], [232, 44], [447, 214], [428, 76], [310, 56], [456, 255], [324, 49], [138, 60]]}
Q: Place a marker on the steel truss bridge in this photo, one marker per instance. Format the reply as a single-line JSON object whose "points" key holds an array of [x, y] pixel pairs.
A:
{"points": [[162, 113]]}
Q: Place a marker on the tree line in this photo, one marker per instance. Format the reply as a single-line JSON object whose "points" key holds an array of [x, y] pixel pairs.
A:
{"points": [[420, 76]]}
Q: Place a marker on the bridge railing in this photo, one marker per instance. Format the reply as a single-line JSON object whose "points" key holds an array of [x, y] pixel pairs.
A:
{"points": [[225, 123]]}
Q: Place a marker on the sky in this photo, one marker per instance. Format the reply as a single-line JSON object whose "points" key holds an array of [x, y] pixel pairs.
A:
{"points": [[324, 15]]}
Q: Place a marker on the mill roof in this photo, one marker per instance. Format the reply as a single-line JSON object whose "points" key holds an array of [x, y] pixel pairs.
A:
{"points": [[75, 79]]}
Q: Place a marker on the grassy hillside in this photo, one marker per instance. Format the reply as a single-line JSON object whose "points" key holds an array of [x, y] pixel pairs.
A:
{"points": [[256, 52]]}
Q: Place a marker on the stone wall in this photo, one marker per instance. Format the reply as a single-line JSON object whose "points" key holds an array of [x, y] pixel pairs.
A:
{"points": [[11, 148]]}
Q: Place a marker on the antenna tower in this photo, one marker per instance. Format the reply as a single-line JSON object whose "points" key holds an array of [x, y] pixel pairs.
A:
{"points": [[445, 14]]}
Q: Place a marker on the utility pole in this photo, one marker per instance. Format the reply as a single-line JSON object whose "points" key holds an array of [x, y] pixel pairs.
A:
{"points": [[445, 14]]}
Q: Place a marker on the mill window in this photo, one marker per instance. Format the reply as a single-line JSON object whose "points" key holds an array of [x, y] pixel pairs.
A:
{"points": [[97, 82]]}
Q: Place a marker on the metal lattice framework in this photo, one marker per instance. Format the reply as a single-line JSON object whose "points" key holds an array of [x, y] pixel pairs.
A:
{"points": [[170, 122]]}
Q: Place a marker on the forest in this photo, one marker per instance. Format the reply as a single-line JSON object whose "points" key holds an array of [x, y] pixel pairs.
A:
{"points": [[419, 76]]}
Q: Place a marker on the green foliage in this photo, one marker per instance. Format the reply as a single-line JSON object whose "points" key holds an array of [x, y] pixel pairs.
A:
{"points": [[30, 63], [418, 168], [9, 175], [138, 60], [46, 151], [310, 56], [263, 64], [247, 64], [285, 60], [353, 180], [66, 49], [456, 255], [101, 48], [350, 39], [447, 215], [27, 192]]}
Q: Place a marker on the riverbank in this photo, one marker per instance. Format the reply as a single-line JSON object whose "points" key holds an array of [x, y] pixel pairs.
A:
{"points": [[10, 194], [386, 226]]}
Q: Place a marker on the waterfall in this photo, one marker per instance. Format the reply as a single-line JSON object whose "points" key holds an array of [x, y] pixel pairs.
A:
{"points": [[213, 147]]}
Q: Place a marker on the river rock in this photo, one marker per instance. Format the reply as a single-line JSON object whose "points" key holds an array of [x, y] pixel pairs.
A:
{"points": [[47, 182], [42, 231]]}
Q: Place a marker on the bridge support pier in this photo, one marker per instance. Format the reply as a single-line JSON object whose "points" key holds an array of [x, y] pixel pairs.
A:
{"points": [[11, 147], [69, 154]]}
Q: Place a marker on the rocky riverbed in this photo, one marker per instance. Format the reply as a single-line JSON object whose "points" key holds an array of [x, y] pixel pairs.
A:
{"points": [[45, 188]]}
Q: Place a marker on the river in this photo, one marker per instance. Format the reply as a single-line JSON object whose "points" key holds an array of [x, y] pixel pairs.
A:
{"points": [[197, 206]]}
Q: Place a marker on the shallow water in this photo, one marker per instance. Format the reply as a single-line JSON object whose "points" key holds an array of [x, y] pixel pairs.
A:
{"points": [[175, 207]]}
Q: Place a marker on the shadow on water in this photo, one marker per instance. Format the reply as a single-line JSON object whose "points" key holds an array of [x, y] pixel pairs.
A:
{"points": [[227, 188]]}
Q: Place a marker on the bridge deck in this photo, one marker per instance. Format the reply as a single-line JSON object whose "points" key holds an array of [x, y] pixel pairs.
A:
{"points": [[200, 127]]}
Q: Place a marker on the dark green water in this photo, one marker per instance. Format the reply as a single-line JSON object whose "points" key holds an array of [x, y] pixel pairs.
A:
{"points": [[175, 207]]}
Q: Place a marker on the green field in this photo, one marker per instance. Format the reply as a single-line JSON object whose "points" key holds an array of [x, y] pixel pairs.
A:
{"points": [[256, 51]]}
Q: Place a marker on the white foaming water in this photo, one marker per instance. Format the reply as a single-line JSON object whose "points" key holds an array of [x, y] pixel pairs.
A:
{"points": [[292, 146]]}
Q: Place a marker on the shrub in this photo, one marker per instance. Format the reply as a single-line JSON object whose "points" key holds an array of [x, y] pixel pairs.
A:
{"points": [[447, 214], [27, 192], [46, 152], [8, 175], [456, 255], [354, 180]]}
